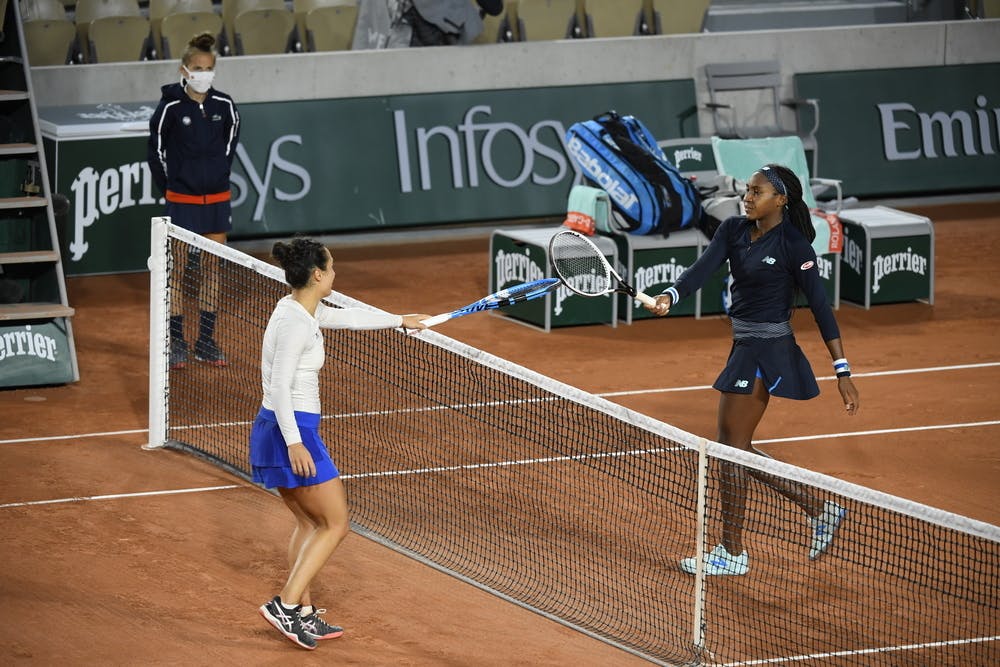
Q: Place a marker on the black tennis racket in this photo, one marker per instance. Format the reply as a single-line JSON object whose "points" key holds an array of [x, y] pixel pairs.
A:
{"points": [[505, 297], [584, 269]]}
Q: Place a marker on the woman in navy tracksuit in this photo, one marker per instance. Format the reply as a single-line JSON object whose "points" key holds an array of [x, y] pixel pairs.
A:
{"points": [[771, 260], [192, 141]]}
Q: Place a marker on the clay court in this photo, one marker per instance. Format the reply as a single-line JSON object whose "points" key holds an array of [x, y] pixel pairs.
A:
{"points": [[115, 554]]}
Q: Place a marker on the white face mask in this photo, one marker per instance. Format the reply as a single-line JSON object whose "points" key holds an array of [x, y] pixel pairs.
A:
{"points": [[200, 82]]}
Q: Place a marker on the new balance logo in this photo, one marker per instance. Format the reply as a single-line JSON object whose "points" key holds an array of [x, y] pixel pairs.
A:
{"points": [[742, 384], [769, 260]]}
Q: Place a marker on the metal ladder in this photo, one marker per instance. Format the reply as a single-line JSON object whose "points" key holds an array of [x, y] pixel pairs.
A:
{"points": [[36, 333]]}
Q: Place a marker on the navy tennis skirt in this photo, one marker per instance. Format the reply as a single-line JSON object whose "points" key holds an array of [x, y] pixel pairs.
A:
{"points": [[269, 454], [778, 362], [202, 218]]}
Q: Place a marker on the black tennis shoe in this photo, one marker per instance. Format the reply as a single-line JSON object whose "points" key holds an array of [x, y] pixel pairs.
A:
{"points": [[178, 353], [207, 351], [288, 622], [317, 628]]}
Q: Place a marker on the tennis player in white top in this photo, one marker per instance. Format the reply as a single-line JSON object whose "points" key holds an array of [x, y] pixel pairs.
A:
{"points": [[286, 451]]}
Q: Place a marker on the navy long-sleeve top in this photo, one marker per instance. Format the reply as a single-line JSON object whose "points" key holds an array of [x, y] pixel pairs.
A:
{"points": [[765, 274], [191, 146]]}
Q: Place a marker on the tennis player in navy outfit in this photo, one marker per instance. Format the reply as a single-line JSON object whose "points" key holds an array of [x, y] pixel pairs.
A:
{"points": [[771, 260], [286, 450], [193, 136]]}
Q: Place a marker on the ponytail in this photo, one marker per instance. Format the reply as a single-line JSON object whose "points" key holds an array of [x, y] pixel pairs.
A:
{"points": [[798, 212]]}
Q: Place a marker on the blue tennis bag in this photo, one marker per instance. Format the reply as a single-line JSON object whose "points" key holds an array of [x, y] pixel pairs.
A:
{"points": [[648, 194]]}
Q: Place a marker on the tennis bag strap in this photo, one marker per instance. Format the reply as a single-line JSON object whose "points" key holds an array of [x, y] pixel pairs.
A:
{"points": [[680, 202], [620, 154], [634, 200]]}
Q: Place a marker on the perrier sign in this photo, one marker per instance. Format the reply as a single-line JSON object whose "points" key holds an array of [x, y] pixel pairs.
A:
{"points": [[35, 353], [882, 265], [519, 256]]}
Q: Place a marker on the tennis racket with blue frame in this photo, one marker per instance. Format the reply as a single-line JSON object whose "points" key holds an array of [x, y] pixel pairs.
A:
{"points": [[505, 297]]}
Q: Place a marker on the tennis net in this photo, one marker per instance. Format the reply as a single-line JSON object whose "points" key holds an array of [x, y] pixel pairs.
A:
{"points": [[573, 506]]}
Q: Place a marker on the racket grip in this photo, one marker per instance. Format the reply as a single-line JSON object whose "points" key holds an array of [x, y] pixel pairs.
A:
{"points": [[645, 299], [437, 319]]}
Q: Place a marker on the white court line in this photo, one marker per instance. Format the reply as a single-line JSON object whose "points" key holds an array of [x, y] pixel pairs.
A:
{"points": [[879, 431], [567, 458], [867, 651], [603, 395], [932, 369], [519, 462], [50, 438], [112, 496]]}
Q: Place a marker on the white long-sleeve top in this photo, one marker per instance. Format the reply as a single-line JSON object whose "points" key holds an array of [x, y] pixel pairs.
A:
{"points": [[292, 355]]}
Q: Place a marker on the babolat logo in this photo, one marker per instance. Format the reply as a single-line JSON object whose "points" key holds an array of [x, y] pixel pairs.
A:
{"points": [[26, 343], [885, 265], [592, 165], [657, 277]]}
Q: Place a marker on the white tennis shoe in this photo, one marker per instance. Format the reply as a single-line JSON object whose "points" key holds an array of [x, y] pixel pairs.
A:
{"points": [[824, 526], [718, 561]]}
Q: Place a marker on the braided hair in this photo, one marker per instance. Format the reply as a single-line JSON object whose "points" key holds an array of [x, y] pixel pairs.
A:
{"points": [[789, 185], [298, 258]]}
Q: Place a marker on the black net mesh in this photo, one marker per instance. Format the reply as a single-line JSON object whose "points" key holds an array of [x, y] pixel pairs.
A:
{"points": [[891, 589], [580, 509]]}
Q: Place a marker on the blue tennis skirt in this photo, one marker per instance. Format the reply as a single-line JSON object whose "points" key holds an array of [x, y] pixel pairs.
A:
{"points": [[778, 362], [269, 454]]}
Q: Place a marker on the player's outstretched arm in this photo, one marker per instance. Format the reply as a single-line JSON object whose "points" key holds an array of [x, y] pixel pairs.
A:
{"points": [[415, 321]]}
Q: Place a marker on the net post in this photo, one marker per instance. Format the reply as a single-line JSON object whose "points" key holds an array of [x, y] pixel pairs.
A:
{"points": [[698, 630], [159, 311]]}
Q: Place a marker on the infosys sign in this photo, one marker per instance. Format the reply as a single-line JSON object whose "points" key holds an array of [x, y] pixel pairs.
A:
{"points": [[348, 164], [909, 131]]}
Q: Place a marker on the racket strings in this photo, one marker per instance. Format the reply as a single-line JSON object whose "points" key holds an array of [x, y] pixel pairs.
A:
{"points": [[581, 268]]}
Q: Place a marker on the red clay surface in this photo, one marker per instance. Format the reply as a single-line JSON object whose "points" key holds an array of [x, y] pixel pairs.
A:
{"points": [[167, 579]]}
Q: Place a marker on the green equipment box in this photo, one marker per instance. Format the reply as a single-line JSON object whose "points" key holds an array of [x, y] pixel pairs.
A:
{"points": [[888, 257], [521, 255], [653, 263]]}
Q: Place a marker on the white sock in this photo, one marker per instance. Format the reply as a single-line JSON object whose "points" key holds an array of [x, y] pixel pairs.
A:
{"points": [[307, 609], [288, 607]]}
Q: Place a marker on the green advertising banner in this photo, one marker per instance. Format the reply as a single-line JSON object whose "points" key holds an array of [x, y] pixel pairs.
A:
{"points": [[333, 165], [111, 199], [323, 166], [912, 131], [35, 354]]}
